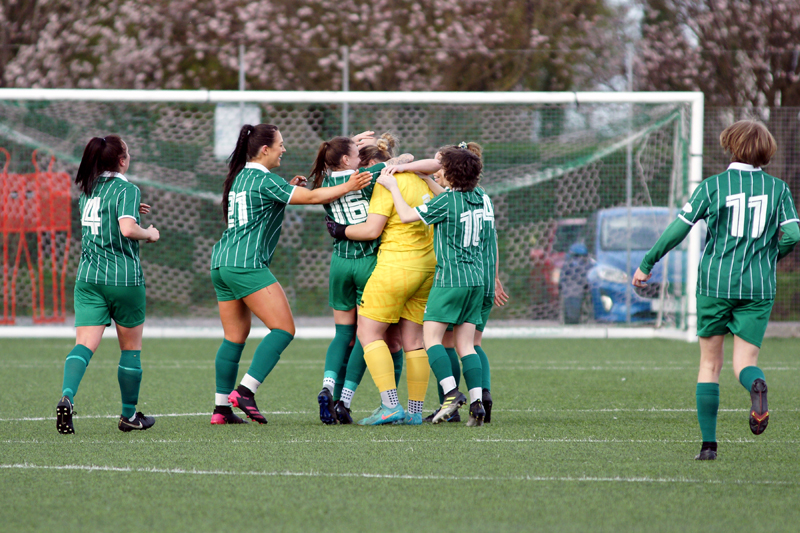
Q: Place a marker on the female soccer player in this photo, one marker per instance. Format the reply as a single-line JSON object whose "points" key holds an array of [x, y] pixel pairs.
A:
{"points": [[744, 208], [109, 283], [254, 200], [352, 261], [397, 291], [494, 295], [457, 294]]}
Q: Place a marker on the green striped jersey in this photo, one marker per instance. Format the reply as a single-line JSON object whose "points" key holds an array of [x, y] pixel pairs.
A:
{"points": [[352, 208], [744, 207], [457, 219], [256, 204], [107, 256], [488, 244]]}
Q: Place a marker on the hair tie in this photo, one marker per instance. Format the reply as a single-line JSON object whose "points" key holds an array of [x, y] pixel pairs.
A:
{"points": [[462, 145]]}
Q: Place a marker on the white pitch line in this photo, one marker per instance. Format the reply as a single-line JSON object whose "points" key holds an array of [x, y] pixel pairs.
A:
{"points": [[412, 477]]}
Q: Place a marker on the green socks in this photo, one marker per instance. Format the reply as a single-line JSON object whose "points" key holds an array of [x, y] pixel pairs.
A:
{"points": [[356, 366], [707, 408], [487, 374], [227, 366], [440, 362], [397, 359], [748, 375], [471, 366], [74, 368], [268, 353], [456, 369], [129, 375], [338, 350]]}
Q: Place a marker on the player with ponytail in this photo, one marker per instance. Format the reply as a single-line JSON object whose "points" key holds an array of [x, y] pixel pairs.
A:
{"points": [[254, 202], [351, 266], [109, 284]]}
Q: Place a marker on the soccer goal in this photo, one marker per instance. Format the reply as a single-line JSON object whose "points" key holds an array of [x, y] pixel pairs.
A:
{"points": [[583, 184]]}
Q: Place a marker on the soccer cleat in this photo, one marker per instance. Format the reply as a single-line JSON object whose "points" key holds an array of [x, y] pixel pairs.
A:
{"points": [[487, 405], [325, 400], [137, 422], [64, 416], [708, 452], [759, 414], [383, 415], [244, 399], [452, 401], [476, 414], [342, 413], [455, 418], [412, 419], [223, 414]]}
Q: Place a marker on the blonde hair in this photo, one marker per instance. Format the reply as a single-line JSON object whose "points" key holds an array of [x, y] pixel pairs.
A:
{"points": [[748, 141], [382, 151]]}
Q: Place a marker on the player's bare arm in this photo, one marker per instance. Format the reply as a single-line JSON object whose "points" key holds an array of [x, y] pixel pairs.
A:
{"points": [[130, 229], [325, 195]]}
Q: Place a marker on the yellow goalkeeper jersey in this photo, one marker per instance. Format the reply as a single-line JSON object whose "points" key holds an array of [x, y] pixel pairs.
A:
{"points": [[409, 246]]}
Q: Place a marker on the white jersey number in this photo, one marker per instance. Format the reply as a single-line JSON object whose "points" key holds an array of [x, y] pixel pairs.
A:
{"points": [[237, 200], [91, 215], [352, 208], [472, 222], [758, 204]]}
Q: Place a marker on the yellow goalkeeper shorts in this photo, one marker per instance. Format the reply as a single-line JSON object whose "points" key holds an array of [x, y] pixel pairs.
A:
{"points": [[393, 293]]}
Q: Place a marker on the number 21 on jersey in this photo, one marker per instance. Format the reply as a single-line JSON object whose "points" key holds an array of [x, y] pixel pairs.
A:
{"points": [[237, 204], [759, 204]]}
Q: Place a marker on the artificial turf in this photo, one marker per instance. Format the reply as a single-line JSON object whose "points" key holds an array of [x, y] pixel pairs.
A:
{"points": [[586, 435]]}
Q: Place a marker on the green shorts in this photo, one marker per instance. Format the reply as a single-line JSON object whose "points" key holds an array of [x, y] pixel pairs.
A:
{"points": [[486, 309], [97, 305], [233, 283], [348, 278], [454, 305], [746, 319]]}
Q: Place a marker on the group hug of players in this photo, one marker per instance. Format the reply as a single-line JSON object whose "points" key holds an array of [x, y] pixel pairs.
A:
{"points": [[414, 274]]}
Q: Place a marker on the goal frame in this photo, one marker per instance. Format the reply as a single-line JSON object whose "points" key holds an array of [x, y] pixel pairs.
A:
{"points": [[694, 99]]}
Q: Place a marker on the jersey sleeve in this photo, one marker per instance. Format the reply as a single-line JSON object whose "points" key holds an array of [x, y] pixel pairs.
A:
{"points": [[276, 189], [697, 206], [381, 202], [375, 170], [788, 212], [128, 203], [434, 211]]}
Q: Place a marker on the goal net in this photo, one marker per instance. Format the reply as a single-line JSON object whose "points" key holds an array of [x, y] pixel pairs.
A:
{"points": [[582, 185]]}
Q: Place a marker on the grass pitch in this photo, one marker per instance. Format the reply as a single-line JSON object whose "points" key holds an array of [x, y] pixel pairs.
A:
{"points": [[586, 435]]}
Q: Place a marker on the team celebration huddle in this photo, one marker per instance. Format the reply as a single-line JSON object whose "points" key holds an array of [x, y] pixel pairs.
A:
{"points": [[414, 274]]}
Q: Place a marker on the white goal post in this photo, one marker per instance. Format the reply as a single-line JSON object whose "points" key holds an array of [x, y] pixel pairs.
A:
{"points": [[693, 102]]}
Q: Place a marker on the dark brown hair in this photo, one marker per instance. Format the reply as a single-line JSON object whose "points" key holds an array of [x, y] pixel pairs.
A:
{"points": [[329, 156], [251, 139], [462, 168], [102, 154], [748, 141], [382, 151]]}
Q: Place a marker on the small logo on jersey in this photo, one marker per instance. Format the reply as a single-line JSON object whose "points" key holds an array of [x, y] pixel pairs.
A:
{"points": [[423, 208], [687, 208]]}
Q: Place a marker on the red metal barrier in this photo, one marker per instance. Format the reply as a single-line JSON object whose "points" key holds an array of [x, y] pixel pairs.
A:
{"points": [[35, 204]]}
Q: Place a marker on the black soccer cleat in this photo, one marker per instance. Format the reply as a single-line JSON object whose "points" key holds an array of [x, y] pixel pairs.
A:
{"points": [[455, 418], [452, 401], [244, 399], [759, 414], [708, 452], [64, 411], [476, 414], [487, 405], [342, 413], [325, 400], [223, 414], [138, 422]]}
